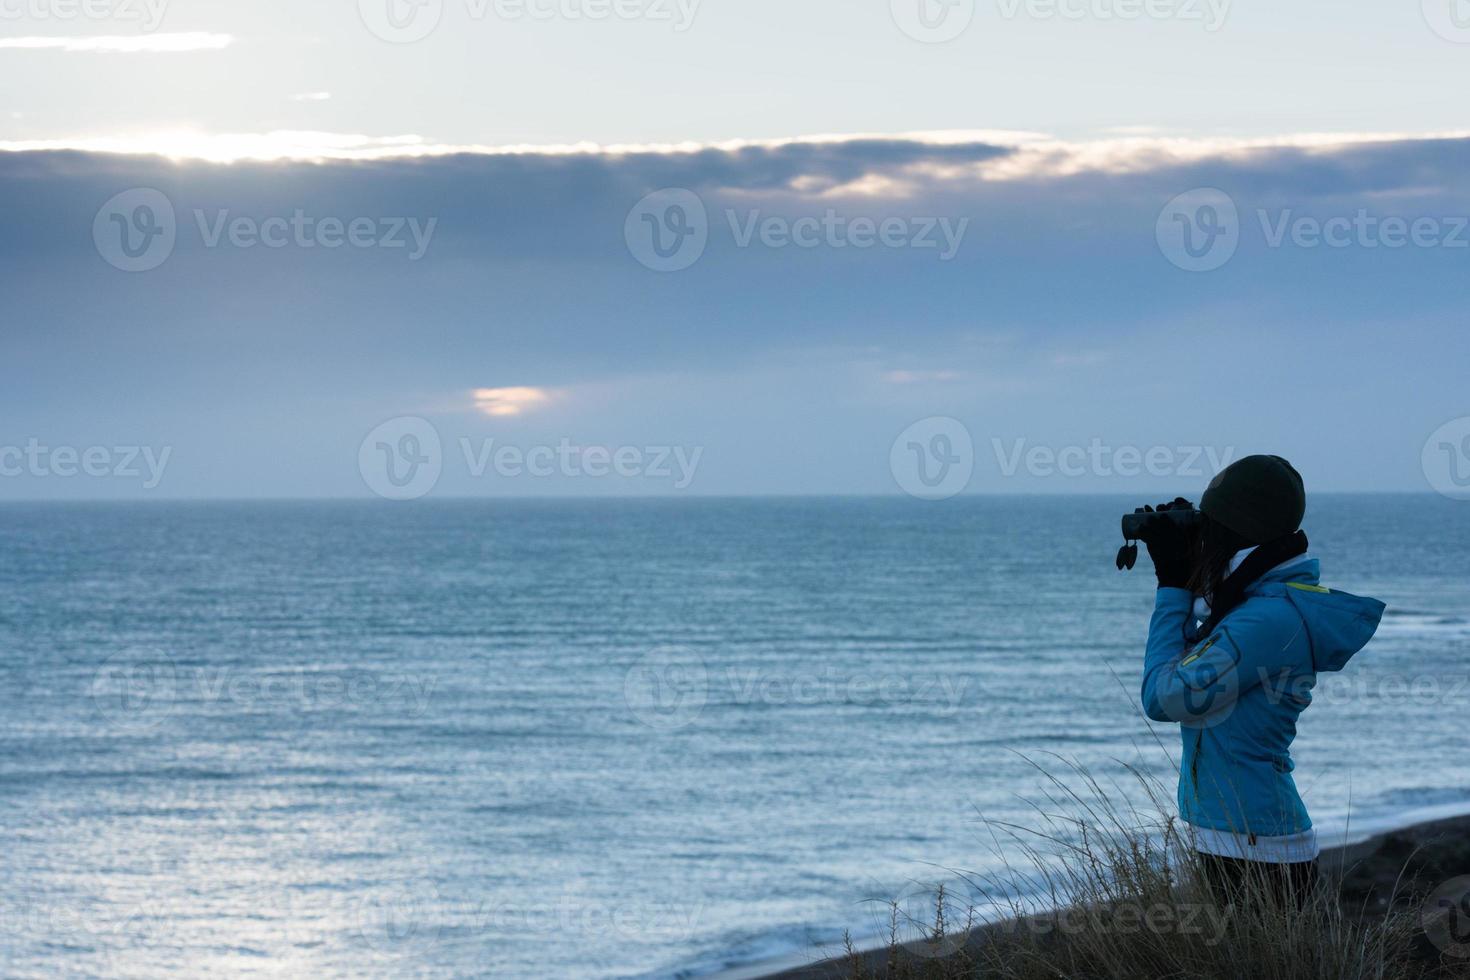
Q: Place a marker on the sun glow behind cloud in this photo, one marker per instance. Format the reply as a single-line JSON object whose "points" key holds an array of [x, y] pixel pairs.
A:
{"points": [[124, 44], [279, 145], [509, 401]]}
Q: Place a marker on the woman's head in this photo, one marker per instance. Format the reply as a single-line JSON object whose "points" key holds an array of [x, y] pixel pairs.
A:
{"points": [[1252, 501], [1260, 498]]}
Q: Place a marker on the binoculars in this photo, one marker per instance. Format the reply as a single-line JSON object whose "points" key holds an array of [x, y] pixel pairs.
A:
{"points": [[1140, 525], [1136, 527]]}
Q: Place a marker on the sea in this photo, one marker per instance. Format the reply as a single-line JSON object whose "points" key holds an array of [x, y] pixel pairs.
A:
{"points": [[654, 738]]}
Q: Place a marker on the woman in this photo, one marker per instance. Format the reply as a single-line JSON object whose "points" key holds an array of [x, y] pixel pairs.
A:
{"points": [[1240, 629]]}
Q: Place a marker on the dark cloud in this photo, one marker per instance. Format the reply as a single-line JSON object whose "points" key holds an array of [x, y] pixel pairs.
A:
{"points": [[528, 280]]}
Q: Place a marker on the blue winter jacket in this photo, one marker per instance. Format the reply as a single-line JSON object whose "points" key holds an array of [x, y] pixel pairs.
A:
{"points": [[1236, 693]]}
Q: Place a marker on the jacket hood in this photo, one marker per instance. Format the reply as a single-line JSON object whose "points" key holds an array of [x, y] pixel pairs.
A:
{"points": [[1338, 624]]}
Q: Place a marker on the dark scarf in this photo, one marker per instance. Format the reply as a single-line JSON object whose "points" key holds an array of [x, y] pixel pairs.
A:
{"points": [[1231, 592]]}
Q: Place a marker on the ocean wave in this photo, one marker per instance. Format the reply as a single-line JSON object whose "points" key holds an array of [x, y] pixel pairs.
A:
{"points": [[1413, 623]]}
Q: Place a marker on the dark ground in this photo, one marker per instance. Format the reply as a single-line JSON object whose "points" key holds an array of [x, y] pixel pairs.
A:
{"points": [[1411, 862]]}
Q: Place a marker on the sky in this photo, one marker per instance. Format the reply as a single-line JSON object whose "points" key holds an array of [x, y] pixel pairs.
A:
{"points": [[392, 250], [543, 72]]}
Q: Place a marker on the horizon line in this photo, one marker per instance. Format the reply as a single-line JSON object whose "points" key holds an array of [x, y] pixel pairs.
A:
{"points": [[564, 498]]}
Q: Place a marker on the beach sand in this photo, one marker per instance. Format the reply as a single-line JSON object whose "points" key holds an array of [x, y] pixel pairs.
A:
{"points": [[1365, 871]]}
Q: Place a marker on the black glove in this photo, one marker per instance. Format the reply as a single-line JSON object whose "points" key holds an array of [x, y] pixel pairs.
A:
{"points": [[1170, 546]]}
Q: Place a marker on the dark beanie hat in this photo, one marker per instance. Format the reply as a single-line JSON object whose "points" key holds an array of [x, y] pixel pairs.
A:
{"points": [[1260, 498]]}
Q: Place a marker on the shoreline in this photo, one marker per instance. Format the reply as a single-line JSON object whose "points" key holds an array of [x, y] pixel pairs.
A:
{"points": [[1371, 849]]}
